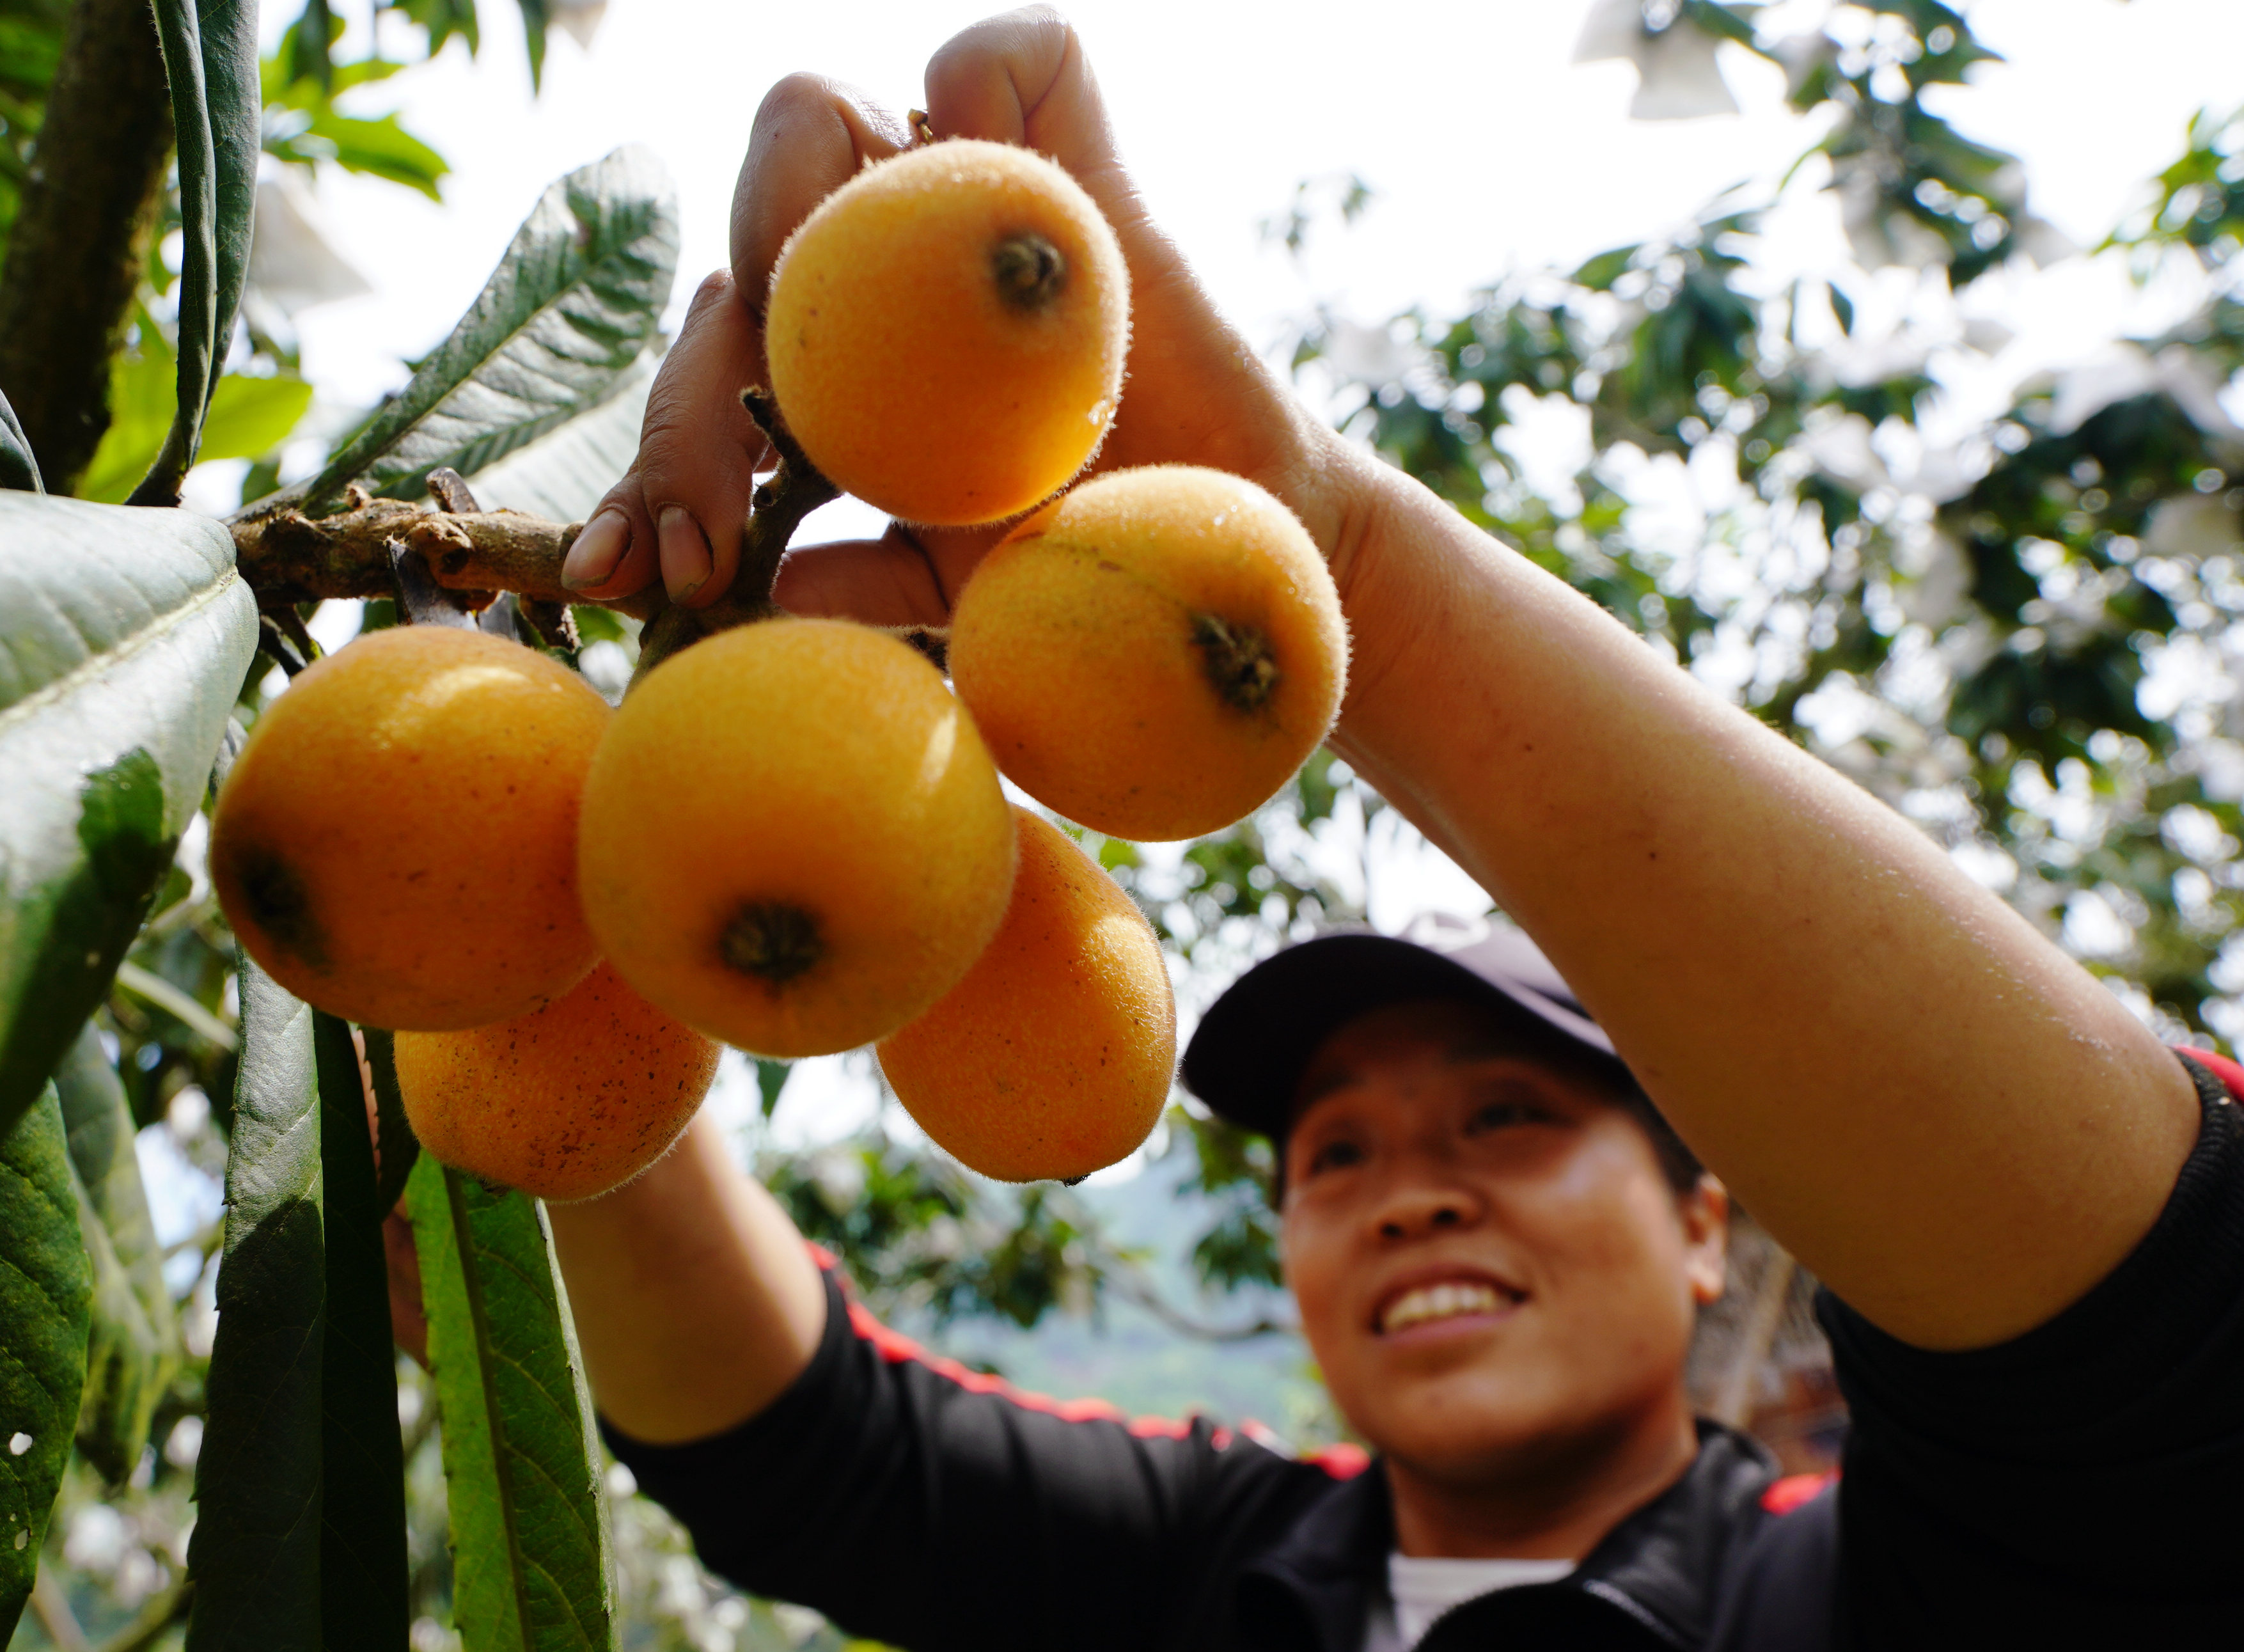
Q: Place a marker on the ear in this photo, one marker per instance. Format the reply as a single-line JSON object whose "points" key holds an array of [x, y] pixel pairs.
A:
{"points": [[1706, 1212]]}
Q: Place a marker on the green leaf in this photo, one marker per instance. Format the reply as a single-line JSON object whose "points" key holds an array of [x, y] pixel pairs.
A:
{"points": [[442, 19], [179, 27], [397, 1147], [249, 416], [18, 468], [363, 1598], [1841, 306], [310, 46], [1601, 271], [232, 75], [771, 1079], [563, 474], [256, 1551], [133, 1352], [121, 1359], [45, 1286], [521, 1461], [571, 306], [378, 147], [536, 17], [210, 57], [123, 637]]}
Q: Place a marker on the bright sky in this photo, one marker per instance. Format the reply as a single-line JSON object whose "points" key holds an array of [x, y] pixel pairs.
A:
{"points": [[1489, 150]]}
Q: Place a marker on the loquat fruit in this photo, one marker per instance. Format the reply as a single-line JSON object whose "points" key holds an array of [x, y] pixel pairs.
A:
{"points": [[946, 332], [793, 839], [567, 1102], [1052, 1057], [397, 843], [1153, 654]]}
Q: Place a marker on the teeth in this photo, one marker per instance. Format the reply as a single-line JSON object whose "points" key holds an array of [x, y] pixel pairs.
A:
{"points": [[1439, 1302]]}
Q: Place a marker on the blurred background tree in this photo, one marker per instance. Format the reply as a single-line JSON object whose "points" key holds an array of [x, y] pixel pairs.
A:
{"points": [[2014, 619]]}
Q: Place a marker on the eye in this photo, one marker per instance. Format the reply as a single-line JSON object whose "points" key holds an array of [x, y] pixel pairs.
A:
{"points": [[1500, 1116], [1338, 1153]]}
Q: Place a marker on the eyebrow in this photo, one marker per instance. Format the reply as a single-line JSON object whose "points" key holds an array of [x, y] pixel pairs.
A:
{"points": [[1459, 1053]]}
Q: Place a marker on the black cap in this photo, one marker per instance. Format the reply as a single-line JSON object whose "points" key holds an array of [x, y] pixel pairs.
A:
{"points": [[1247, 1057]]}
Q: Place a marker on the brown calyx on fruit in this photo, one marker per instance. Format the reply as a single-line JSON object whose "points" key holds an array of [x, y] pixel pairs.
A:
{"points": [[280, 905], [772, 941], [1239, 661], [1029, 271]]}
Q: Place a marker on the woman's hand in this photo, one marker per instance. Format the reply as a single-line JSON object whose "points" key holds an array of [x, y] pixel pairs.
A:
{"points": [[1195, 392]]}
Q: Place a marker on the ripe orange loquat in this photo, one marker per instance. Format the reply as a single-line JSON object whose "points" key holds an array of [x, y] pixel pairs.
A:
{"points": [[397, 843], [946, 332], [1153, 654], [793, 839], [567, 1102]]}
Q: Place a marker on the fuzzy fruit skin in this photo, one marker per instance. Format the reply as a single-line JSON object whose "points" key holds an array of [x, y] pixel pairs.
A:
{"points": [[813, 767], [1052, 1057], [397, 843], [568, 1102], [1075, 646], [902, 368]]}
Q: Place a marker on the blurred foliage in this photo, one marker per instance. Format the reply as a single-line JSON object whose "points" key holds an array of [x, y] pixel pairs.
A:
{"points": [[2017, 633], [30, 47]]}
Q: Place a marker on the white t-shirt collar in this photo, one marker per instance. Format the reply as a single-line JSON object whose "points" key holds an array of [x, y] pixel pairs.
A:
{"points": [[1420, 1591]]}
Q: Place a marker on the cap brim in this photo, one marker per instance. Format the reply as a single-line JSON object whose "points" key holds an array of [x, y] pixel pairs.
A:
{"points": [[1245, 1058]]}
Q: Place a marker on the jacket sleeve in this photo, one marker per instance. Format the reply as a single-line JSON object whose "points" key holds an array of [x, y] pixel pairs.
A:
{"points": [[2081, 1480], [917, 1502]]}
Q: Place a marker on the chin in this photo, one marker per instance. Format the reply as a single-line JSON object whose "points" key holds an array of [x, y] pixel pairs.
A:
{"points": [[1469, 1424]]}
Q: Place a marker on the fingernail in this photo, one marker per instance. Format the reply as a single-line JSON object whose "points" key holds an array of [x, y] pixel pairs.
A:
{"points": [[685, 564], [592, 559]]}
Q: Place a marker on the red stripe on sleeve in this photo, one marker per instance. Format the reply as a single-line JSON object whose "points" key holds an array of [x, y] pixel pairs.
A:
{"points": [[2230, 1074], [1788, 1493]]}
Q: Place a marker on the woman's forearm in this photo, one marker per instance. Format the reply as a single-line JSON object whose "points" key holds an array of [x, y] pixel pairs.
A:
{"points": [[1949, 1119], [695, 1301]]}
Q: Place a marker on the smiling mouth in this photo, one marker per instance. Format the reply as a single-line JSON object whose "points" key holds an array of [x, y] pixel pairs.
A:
{"points": [[1451, 1299]]}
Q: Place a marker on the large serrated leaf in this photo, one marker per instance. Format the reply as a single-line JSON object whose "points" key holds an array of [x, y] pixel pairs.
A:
{"points": [[210, 60], [132, 1349], [44, 1284], [521, 1461], [124, 637], [363, 1595], [563, 474], [255, 1553], [571, 306]]}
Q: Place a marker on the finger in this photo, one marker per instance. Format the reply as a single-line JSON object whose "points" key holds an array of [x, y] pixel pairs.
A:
{"points": [[812, 136], [887, 581], [699, 449], [1023, 78], [907, 577], [613, 555]]}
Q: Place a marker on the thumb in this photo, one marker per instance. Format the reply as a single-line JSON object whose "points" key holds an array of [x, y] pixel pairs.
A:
{"points": [[1023, 78]]}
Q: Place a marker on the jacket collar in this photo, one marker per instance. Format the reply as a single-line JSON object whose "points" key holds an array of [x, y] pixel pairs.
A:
{"points": [[1659, 1568]]}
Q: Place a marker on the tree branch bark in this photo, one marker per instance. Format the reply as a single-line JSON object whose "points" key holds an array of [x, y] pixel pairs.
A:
{"points": [[76, 252], [289, 557]]}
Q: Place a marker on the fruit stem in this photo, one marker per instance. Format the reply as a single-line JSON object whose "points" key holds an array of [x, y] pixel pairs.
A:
{"points": [[790, 493], [778, 506]]}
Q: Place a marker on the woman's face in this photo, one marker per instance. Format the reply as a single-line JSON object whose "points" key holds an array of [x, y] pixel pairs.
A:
{"points": [[1493, 1271]]}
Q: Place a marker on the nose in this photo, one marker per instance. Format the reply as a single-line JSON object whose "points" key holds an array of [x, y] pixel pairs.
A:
{"points": [[1412, 1212]]}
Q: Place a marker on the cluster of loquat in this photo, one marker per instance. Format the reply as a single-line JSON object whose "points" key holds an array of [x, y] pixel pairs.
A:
{"points": [[791, 836]]}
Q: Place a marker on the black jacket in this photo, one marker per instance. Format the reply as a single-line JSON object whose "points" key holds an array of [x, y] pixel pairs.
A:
{"points": [[2081, 1486]]}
